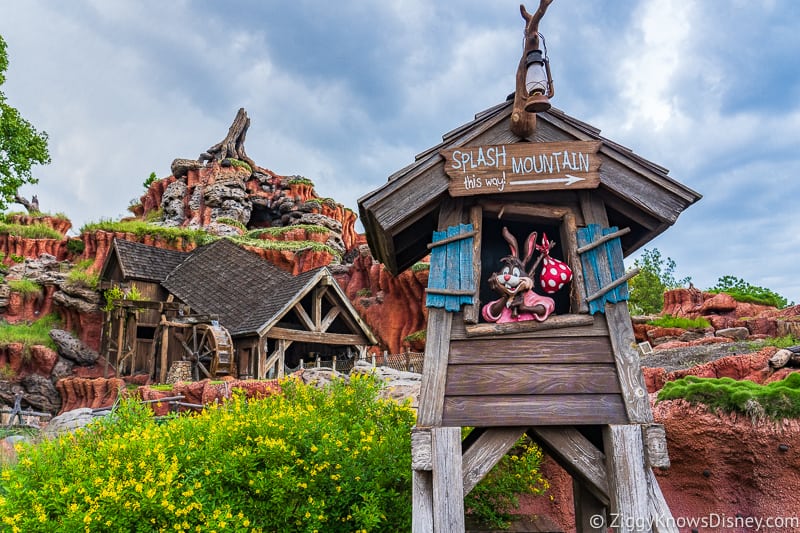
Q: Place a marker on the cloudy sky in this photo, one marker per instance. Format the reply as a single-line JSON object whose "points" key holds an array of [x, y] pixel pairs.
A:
{"points": [[347, 92]]}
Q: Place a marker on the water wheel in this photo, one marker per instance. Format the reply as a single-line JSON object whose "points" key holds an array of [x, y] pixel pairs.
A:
{"points": [[210, 349]]}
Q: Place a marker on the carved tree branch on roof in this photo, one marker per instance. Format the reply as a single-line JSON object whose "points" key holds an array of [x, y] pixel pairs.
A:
{"points": [[232, 146]]}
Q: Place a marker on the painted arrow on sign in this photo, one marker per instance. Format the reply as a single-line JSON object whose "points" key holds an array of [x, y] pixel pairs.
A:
{"points": [[567, 181]]}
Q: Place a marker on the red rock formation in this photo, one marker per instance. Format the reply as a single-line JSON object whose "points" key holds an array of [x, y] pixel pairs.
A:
{"points": [[14, 246], [93, 393], [59, 224], [88, 327], [205, 392], [393, 307], [19, 361]]}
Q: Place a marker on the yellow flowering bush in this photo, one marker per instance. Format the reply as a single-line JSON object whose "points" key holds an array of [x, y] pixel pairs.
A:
{"points": [[307, 460]]}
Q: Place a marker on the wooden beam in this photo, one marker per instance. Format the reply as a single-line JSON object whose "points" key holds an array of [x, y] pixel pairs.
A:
{"points": [[485, 452], [604, 239], [613, 285], [579, 457], [303, 316], [316, 308], [329, 318], [655, 446], [448, 495], [315, 336], [627, 479], [539, 378], [553, 322], [569, 230], [545, 350]]}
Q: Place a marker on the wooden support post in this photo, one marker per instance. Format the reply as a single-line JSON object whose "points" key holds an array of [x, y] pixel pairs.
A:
{"points": [[660, 515], [448, 492], [162, 369], [631, 379], [422, 498], [627, 478], [587, 509]]}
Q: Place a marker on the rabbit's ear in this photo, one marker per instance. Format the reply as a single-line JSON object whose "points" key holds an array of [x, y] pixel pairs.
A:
{"points": [[530, 247], [512, 242]]}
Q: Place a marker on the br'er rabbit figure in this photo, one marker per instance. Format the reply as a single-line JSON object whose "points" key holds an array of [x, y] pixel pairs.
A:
{"points": [[518, 302]]}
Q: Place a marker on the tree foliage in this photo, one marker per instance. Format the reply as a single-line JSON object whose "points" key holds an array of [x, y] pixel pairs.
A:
{"points": [[742, 291], [656, 275], [21, 146]]}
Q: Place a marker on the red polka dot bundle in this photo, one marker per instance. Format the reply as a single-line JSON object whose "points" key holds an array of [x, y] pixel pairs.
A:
{"points": [[555, 274]]}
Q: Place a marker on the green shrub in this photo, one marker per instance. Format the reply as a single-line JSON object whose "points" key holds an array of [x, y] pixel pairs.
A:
{"points": [[280, 230], [33, 231], [787, 341], [241, 164], [76, 246], [16, 258], [294, 246], [669, 321], [141, 229], [231, 222], [29, 334], [307, 460], [742, 291], [418, 267], [776, 400], [299, 180], [79, 275], [494, 499], [417, 336], [365, 292], [25, 287], [154, 215], [152, 178], [118, 293]]}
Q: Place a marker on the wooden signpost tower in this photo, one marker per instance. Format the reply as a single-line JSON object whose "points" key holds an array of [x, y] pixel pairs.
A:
{"points": [[559, 365]]}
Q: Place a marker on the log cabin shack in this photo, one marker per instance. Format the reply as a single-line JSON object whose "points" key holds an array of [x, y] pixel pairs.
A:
{"points": [[225, 310], [569, 376]]}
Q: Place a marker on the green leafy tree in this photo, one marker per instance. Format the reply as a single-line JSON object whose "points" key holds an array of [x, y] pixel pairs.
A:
{"points": [[656, 275], [149, 181], [21, 146], [742, 291]]}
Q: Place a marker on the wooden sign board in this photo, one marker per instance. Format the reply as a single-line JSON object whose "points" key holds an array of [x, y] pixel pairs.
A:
{"points": [[509, 168]]}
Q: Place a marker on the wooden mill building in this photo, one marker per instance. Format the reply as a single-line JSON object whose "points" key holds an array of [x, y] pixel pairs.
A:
{"points": [[226, 304], [571, 382]]}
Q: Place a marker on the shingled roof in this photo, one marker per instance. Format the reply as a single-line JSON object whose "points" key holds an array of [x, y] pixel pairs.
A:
{"points": [[146, 263], [245, 291]]}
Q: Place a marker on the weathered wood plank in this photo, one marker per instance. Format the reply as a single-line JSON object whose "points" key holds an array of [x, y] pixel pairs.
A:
{"points": [[631, 379], [542, 410], [421, 501], [437, 345], [448, 491], [492, 380], [577, 295], [421, 454], [627, 478], [485, 452], [577, 455], [544, 350], [655, 446], [597, 328], [554, 322]]}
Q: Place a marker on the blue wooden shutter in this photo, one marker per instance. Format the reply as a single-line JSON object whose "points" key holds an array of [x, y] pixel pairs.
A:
{"points": [[451, 269], [602, 267]]}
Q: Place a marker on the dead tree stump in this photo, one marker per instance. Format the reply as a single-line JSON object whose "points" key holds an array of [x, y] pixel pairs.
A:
{"points": [[232, 146]]}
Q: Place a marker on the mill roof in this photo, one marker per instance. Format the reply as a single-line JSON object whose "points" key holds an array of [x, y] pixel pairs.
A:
{"points": [[143, 262], [244, 290]]}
